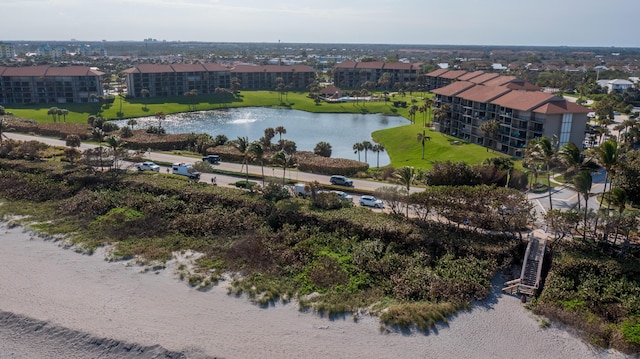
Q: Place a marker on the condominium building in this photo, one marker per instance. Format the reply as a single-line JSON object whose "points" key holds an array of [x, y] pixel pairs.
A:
{"points": [[522, 112], [47, 84], [382, 75], [176, 79], [7, 50]]}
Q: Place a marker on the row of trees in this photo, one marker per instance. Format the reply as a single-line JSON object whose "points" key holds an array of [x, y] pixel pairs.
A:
{"points": [[366, 146], [622, 166]]}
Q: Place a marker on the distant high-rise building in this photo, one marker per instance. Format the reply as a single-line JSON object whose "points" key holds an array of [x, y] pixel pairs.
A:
{"points": [[7, 50]]}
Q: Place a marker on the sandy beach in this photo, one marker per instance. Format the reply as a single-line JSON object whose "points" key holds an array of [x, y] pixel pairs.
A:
{"points": [[57, 303]]}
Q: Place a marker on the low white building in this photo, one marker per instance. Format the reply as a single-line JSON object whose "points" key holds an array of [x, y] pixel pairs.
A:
{"points": [[619, 85]]}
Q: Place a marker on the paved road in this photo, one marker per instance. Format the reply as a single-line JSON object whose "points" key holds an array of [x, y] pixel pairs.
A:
{"points": [[221, 180]]}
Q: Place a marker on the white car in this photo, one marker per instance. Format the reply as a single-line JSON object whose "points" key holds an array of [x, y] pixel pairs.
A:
{"points": [[343, 195], [371, 201], [147, 166]]}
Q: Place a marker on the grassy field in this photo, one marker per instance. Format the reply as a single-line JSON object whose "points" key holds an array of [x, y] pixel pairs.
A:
{"points": [[401, 142]]}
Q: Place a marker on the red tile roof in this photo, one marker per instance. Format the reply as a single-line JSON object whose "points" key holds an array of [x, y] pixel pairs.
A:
{"points": [[437, 73], [484, 78], [500, 81], [49, 71], [469, 75], [373, 65], [560, 107], [188, 67], [347, 65], [523, 101], [400, 66], [149, 69], [453, 88], [454, 74], [522, 85], [272, 68], [482, 93], [214, 66]]}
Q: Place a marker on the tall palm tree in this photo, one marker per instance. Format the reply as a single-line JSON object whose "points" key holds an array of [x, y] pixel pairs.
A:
{"points": [[377, 148], [160, 116], [357, 148], [582, 183], [117, 147], [145, 94], [280, 130], [428, 105], [491, 128], [571, 156], [619, 198], [242, 145], [440, 114], [406, 175], [607, 156], [367, 146], [53, 111], [257, 151], [284, 161], [543, 150], [422, 138]]}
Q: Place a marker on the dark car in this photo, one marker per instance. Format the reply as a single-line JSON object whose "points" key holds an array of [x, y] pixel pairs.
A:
{"points": [[213, 159], [341, 181]]}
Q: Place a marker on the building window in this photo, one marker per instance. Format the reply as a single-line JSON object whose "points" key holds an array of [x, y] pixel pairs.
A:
{"points": [[565, 130]]}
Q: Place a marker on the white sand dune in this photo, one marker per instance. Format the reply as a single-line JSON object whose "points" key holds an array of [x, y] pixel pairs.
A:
{"points": [[81, 298]]}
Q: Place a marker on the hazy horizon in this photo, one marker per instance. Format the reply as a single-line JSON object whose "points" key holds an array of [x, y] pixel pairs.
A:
{"points": [[546, 23]]}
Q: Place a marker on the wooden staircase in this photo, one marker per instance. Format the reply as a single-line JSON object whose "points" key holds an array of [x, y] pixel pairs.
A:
{"points": [[529, 279]]}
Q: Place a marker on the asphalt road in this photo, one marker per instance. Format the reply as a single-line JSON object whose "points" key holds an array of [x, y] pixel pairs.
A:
{"points": [[563, 197]]}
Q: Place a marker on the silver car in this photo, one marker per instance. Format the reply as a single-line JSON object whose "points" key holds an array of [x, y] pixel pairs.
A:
{"points": [[371, 201]]}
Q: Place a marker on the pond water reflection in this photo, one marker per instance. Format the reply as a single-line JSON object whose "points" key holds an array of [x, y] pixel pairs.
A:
{"points": [[304, 128]]}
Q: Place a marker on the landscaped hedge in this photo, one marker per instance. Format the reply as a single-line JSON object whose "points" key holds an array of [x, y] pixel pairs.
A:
{"points": [[141, 140], [310, 162], [58, 129]]}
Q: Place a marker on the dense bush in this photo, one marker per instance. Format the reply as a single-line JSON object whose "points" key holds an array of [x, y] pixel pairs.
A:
{"points": [[310, 162]]}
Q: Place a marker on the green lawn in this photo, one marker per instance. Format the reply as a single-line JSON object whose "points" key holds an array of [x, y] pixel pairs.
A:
{"points": [[401, 143], [404, 149]]}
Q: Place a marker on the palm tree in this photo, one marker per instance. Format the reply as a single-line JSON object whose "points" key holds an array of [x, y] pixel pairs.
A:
{"points": [[280, 130], [582, 183], [160, 116], [377, 148], [357, 148], [491, 128], [366, 145], [422, 138], [619, 199], [428, 105], [406, 175], [543, 150], [242, 145], [132, 123], [323, 149], [607, 156], [257, 151], [570, 155], [64, 112], [282, 159], [145, 94], [440, 114], [117, 146], [53, 111], [269, 134]]}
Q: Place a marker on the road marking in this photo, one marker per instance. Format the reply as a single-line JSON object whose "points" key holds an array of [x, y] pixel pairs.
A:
{"points": [[544, 211]]}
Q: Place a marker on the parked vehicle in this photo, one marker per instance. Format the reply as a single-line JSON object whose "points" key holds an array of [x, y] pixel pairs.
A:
{"points": [[147, 166], [371, 201], [299, 190], [213, 159], [343, 196], [184, 169], [341, 181]]}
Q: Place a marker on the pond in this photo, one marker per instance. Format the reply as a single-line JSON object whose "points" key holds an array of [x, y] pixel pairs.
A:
{"points": [[306, 129]]}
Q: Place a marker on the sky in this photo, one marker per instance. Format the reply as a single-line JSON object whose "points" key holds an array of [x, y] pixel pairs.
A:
{"points": [[422, 22]]}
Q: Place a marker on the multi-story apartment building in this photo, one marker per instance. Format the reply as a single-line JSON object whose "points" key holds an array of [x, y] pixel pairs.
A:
{"points": [[383, 75], [47, 84], [523, 113], [52, 52], [267, 77], [7, 50], [176, 79], [91, 50]]}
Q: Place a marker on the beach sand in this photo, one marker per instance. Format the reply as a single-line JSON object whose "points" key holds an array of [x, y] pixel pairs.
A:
{"points": [[56, 303]]}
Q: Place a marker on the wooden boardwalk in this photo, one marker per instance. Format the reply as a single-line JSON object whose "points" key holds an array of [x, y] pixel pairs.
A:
{"points": [[529, 279]]}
